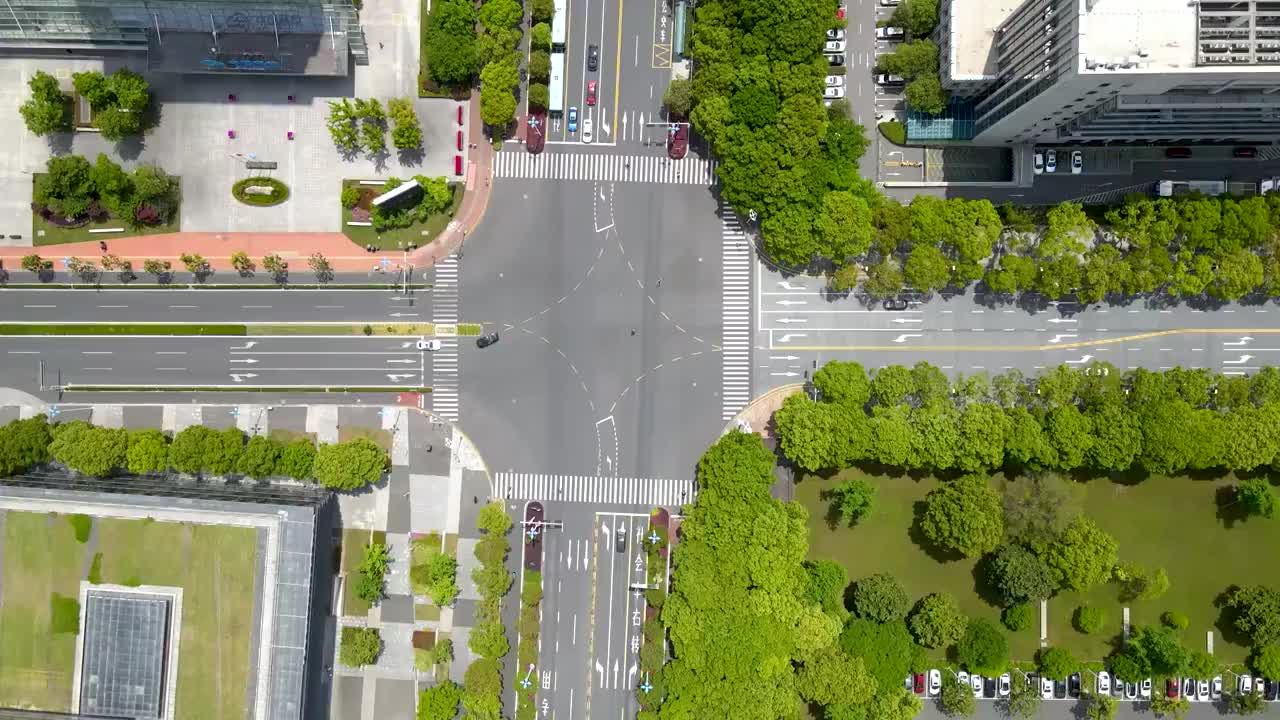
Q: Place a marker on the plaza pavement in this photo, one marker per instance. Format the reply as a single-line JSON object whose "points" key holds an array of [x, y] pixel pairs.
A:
{"points": [[433, 466]]}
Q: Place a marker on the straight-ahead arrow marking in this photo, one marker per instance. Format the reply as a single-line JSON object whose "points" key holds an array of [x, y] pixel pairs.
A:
{"points": [[903, 338], [240, 377], [784, 357], [247, 360], [246, 346]]}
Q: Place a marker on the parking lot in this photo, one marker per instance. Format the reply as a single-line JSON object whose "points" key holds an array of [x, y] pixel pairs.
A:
{"points": [[1088, 682], [889, 103]]}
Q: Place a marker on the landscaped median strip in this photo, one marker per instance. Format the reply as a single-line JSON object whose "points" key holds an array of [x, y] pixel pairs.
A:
{"points": [[230, 330]]}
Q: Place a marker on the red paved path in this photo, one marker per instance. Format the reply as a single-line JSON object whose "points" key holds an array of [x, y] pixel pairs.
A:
{"points": [[342, 254]]}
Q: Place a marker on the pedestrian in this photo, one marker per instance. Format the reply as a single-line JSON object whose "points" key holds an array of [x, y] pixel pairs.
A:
{"points": [[429, 447], [659, 282], [475, 500], [379, 46], [102, 244], [633, 331]]}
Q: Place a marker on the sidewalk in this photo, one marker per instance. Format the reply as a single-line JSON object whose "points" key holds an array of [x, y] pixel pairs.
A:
{"points": [[759, 412]]}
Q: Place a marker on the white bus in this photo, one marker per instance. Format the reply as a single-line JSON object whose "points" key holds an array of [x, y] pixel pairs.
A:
{"points": [[556, 86], [559, 21]]}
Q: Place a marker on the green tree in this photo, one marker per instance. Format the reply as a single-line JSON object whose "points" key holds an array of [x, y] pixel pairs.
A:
{"points": [[439, 702], [827, 581], [1246, 703], [222, 449], [1018, 617], [1117, 438], [1239, 273], [540, 66], [1056, 663], [542, 10], [1256, 611], [1023, 702], [918, 16], [1256, 497], [350, 465], [918, 58], [493, 520], [1137, 581], [884, 279], [260, 457], [498, 14], [1083, 555], [1174, 708], [886, 649], [852, 500], [843, 226], [1175, 620], [297, 460], [489, 640], [359, 646], [789, 236], [957, 697], [1019, 575], [926, 95], [66, 187], [926, 269], [539, 95], [89, 449], [843, 382], [540, 40], [1161, 648], [406, 132], [1071, 432], [1089, 620], [23, 444], [46, 110], [372, 578], [186, 452], [983, 429], [1100, 707], [964, 516], [451, 53], [148, 452], [498, 80], [892, 385], [936, 621], [983, 648], [833, 678], [880, 598], [1266, 661], [678, 97], [1201, 665]]}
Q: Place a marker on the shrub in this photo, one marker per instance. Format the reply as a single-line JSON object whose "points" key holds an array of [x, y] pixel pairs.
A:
{"points": [[350, 196], [880, 598], [82, 525], [260, 457], [983, 649], [539, 96], [279, 191], [349, 465], [359, 646], [936, 621], [23, 444], [1018, 617], [539, 39], [47, 109], [539, 66], [1175, 620], [893, 131], [439, 702], [406, 133], [1056, 663], [1089, 620], [64, 614], [36, 264], [372, 580], [297, 459]]}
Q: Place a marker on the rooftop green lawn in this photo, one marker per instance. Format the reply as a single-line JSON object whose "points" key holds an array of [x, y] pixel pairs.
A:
{"points": [[215, 565], [1162, 522]]}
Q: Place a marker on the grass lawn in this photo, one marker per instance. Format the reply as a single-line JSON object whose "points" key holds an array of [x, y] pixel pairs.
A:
{"points": [[215, 566], [378, 436], [1163, 522], [286, 436], [421, 550], [399, 238], [41, 557], [426, 611], [353, 542]]}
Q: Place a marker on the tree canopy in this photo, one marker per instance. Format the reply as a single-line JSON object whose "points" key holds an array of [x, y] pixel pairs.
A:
{"points": [[964, 516]]}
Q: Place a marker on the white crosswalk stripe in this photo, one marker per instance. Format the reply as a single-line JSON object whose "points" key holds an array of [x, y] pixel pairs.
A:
{"points": [[605, 168], [595, 489], [444, 362], [735, 315]]}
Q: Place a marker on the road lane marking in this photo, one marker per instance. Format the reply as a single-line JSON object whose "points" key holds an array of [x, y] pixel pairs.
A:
{"points": [[39, 306], [24, 352], [171, 352], [112, 306], [183, 307], [1035, 348], [95, 352]]}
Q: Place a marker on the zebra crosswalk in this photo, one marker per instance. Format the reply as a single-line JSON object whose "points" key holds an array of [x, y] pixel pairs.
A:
{"points": [[735, 315], [595, 489], [444, 362], [605, 168]]}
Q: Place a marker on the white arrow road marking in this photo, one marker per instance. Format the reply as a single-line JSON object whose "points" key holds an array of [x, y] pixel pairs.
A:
{"points": [[601, 192], [784, 374], [246, 360], [1243, 359], [616, 667], [240, 377], [400, 314], [793, 320], [604, 124], [792, 302], [1242, 341], [788, 286], [1061, 320], [1081, 361], [788, 336], [1058, 338], [604, 529], [396, 378], [246, 346], [600, 669], [784, 357], [903, 338], [900, 321], [406, 361]]}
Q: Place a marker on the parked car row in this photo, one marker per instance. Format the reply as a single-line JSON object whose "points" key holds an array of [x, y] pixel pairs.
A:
{"points": [[1268, 689], [930, 684], [1046, 161]]}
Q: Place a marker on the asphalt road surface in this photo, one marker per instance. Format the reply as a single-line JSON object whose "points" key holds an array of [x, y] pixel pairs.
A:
{"points": [[214, 306], [616, 632], [156, 362]]}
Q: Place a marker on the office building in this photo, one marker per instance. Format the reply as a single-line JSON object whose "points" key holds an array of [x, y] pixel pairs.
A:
{"points": [[1068, 72], [275, 37]]}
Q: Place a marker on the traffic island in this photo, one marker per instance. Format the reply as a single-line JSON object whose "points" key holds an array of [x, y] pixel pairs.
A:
{"points": [[261, 191]]}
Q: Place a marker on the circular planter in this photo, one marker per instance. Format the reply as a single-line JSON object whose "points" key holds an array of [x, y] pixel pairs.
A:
{"points": [[279, 191]]}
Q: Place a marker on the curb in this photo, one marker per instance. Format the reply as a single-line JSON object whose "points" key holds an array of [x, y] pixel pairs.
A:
{"points": [[768, 396]]}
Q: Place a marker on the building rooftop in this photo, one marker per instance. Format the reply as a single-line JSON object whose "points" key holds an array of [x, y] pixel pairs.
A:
{"points": [[1138, 35], [973, 30], [124, 654]]}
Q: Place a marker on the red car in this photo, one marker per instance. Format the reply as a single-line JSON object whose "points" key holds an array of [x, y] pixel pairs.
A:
{"points": [[591, 93], [678, 142], [919, 684], [459, 139], [1171, 688], [535, 136]]}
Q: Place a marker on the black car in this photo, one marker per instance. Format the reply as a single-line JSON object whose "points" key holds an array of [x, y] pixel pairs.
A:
{"points": [[895, 304], [593, 57], [1189, 688], [1273, 691], [835, 60], [485, 341], [988, 687], [1073, 685], [1059, 689], [622, 538]]}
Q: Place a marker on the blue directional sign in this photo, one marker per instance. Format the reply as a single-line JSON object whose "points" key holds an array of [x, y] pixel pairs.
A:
{"points": [[54, 411], [532, 532], [653, 538], [525, 682], [645, 686]]}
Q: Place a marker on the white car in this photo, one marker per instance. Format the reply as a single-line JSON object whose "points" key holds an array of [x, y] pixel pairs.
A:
{"points": [[889, 3], [1077, 162], [975, 681], [1244, 685], [935, 682], [1004, 686], [586, 130], [887, 79], [426, 345], [1202, 691], [1146, 688], [835, 81], [1051, 161], [835, 34], [834, 46], [1104, 683], [889, 33], [1037, 163], [1215, 688], [833, 92], [1046, 688], [963, 677]]}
